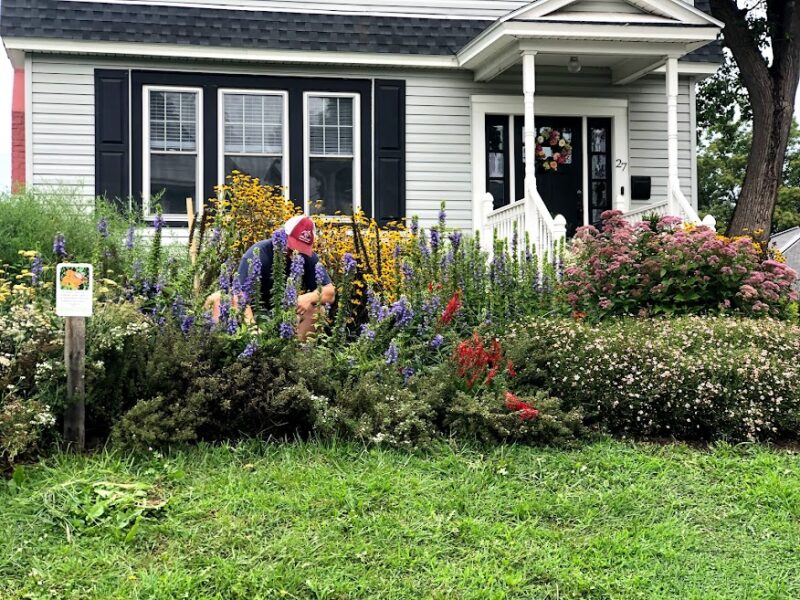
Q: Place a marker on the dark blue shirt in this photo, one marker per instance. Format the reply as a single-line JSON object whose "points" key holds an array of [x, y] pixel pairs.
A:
{"points": [[309, 279]]}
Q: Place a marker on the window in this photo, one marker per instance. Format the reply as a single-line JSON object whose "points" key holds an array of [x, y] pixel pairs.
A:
{"points": [[253, 134], [497, 159], [599, 168], [172, 157], [332, 153]]}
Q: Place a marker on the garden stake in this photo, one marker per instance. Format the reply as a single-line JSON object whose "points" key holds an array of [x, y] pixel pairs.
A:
{"points": [[75, 362]]}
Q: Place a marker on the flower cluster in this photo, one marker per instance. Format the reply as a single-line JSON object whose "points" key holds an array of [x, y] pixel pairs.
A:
{"points": [[661, 267], [689, 377]]}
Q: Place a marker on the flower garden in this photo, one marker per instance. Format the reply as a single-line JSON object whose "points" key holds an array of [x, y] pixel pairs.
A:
{"points": [[652, 329], [500, 378]]}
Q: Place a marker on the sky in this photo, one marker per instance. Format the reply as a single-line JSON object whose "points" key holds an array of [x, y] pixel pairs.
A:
{"points": [[6, 81]]}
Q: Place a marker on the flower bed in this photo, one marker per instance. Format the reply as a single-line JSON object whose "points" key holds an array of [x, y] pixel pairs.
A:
{"points": [[416, 346], [691, 377]]}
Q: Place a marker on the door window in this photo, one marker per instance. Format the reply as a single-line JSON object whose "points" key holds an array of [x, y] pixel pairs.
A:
{"points": [[599, 168], [497, 159]]}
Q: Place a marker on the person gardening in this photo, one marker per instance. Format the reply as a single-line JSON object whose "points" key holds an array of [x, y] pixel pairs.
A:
{"points": [[300, 234]]}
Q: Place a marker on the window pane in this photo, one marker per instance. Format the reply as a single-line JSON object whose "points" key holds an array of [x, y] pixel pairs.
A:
{"points": [[176, 175], [317, 140], [346, 140], [253, 123], [345, 111], [331, 181], [267, 168], [173, 121], [330, 125], [315, 110]]}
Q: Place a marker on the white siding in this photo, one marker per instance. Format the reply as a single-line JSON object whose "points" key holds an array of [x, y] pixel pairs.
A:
{"points": [[438, 137]]}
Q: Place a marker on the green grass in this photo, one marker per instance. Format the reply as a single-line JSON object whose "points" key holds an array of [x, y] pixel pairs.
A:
{"points": [[608, 520]]}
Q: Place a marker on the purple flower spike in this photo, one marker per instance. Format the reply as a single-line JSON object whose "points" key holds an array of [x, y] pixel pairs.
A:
{"points": [[129, 239], [158, 222], [280, 240], [402, 312], [455, 240], [319, 273], [442, 217], [290, 294], [435, 238], [187, 323], [391, 353], [437, 341], [249, 350], [408, 373], [349, 263], [102, 227], [286, 331], [297, 267], [60, 246], [367, 333], [36, 269], [408, 271]]}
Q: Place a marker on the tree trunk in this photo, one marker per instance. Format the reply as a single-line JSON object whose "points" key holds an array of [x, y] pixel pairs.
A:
{"points": [[772, 121], [772, 91]]}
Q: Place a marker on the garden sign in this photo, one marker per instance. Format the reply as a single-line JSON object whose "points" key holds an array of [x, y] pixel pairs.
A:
{"points": [[74, 287], [74, 290]]}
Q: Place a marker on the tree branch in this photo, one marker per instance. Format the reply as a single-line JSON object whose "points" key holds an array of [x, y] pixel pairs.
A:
{"points": [[744, 46]]}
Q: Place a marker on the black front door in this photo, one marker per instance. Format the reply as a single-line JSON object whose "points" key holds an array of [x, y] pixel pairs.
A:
{"points": [[559, 165]]}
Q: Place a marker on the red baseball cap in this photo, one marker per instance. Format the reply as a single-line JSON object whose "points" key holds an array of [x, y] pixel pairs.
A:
{"points": [[301, 232]]}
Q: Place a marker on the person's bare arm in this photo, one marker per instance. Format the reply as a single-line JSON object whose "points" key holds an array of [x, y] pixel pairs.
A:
{"points": [[308, 301]]}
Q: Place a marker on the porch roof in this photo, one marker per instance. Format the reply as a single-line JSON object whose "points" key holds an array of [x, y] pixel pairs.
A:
{"points": [[632, 44]]}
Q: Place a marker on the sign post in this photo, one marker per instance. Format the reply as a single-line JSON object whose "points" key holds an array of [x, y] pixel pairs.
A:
{"points": [[74, 292]]}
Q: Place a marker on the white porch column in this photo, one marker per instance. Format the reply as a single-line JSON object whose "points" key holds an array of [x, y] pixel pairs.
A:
{"points": [[528, 91], [672, 132]]}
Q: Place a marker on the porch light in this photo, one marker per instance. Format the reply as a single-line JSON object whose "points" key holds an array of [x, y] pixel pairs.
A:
{"points": [[574, 65]]}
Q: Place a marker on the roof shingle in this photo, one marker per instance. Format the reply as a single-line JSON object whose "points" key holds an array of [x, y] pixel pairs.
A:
{"points": [[200, 26]]}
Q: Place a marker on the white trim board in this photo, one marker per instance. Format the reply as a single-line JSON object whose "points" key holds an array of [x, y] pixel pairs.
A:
{"points": [[614, 108], [142, 50]]}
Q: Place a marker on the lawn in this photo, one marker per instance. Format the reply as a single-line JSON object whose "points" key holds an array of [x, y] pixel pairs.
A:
{"points": [[304, 520]]}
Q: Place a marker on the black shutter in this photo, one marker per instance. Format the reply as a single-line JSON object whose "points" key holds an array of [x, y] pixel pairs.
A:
{"points": [[390, 150], [111, 130]]}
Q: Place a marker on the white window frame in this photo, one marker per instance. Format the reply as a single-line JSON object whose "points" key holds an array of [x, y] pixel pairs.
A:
{"points": [[356, 147], [146, 152], [221, 133]]}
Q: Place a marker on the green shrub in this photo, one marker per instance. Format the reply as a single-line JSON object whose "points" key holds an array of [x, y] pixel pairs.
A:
{"points": [[31, 219], [689, 378]]}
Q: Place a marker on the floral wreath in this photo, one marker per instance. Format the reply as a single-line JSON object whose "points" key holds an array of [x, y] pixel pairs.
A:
{"points": [[561, 150]]}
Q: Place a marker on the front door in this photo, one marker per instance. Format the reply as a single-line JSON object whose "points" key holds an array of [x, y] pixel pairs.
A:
{"points": [[559, 165]]}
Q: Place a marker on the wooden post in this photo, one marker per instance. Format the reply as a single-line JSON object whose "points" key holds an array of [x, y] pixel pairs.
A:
{"points": [[75, 362]]}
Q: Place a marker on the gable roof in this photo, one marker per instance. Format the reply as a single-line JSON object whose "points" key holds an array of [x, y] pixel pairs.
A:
{"points": [[194, 25]]}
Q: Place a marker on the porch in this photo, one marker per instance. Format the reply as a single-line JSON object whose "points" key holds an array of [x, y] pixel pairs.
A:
{"points": [[545, 165]]}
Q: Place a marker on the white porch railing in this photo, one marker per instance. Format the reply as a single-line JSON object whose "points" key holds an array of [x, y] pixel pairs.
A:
{"points": [[528, 215], [676, 204]]}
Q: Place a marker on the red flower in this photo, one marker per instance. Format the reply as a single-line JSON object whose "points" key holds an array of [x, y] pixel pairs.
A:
{"points": [[525, 410], [452, 308], [510, 369], [477, 361], [432, 286]]}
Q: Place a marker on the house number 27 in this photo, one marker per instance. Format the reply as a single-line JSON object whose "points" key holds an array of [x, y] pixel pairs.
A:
{"points": [[621, 164]]}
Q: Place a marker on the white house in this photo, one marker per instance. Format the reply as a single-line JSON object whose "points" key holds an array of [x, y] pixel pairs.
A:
{"points": [[390, 107]]}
